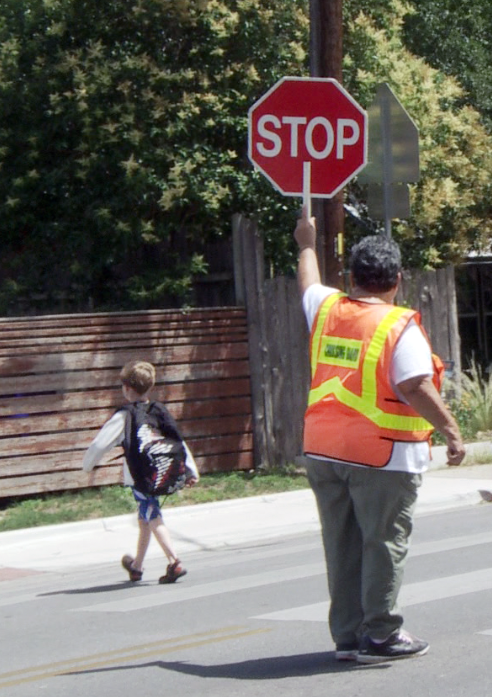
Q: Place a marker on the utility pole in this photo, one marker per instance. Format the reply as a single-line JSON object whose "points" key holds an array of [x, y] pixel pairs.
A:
{"points": [[326, 55]]}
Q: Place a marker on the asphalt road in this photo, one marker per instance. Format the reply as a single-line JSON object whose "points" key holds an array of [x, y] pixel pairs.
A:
{"points": [[247, 620]]}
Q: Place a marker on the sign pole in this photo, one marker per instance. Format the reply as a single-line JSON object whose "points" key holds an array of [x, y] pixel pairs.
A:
{"points": [[387, 162], [306, 187]]}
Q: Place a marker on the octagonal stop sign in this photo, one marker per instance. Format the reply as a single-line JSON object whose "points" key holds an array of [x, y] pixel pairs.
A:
{"points": [[308, 128]]}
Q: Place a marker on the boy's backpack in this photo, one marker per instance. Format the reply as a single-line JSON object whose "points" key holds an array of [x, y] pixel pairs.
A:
{"points": [[154, 449]]}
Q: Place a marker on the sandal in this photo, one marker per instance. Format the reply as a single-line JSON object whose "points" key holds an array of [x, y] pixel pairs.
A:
{"points": [[127, 564], [173, 572]]}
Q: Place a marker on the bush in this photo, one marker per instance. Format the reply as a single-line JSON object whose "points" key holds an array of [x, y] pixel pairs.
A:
{"points": [[477, 392], [473, 410]]}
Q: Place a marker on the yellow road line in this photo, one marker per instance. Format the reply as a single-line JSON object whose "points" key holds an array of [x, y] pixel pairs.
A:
{"points": [[118, 652], [68, 667]]}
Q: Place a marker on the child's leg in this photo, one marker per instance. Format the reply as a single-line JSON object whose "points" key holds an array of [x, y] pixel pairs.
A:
{"points": [[174, 569], [148, 508], [142, 544], [163, 537]]}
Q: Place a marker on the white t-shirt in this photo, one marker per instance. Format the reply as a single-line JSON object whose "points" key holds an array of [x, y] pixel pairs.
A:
{"points": [[411, 357]]}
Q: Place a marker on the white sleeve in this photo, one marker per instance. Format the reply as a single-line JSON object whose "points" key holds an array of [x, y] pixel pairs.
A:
{"points": [[312, 299], [412, 355], [190, 464], [110, 435]]}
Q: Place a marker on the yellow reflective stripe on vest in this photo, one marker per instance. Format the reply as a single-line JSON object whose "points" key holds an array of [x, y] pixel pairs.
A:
{"points": [[366, 404], [374, 351], [318, 330]]}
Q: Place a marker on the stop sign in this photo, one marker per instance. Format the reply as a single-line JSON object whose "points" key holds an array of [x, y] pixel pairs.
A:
{"points": [[307, 125]]}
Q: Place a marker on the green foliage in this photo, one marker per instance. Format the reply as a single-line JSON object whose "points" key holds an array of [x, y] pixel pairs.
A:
{"points": [[477, 395], [123, 137], [473, 408], [123, 142], [462, 411], [67, 507], [457, 39], [451, 202]]}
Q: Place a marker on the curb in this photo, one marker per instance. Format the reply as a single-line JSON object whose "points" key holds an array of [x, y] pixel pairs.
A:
{"points": [[230, 522], [172, 515]]}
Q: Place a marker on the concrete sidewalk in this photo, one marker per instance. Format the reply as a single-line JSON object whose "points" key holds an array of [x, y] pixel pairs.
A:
{"points": [[206, 527]]}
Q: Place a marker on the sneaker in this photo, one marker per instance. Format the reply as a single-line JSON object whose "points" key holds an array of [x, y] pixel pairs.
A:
{"points": [[347, 652], [397, 645], [127, 564], [173, 572]]}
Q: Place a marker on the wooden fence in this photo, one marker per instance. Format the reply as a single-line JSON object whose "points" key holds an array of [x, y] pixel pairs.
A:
{"points": [[278, 349], [59, 383], [235, 378], [279, 343], [433, 294]]}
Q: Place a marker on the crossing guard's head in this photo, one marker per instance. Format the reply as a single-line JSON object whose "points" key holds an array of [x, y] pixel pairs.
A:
{"points": [[375, 263]]}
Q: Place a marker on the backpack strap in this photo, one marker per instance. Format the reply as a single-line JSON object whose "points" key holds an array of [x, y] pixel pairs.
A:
{"points": [[130, 442]]}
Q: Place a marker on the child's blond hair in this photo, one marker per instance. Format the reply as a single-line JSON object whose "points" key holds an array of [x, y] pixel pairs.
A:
{"points": [[139, 375]]}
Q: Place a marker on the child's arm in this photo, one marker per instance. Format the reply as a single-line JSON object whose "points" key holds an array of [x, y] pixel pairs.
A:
{"points": [[110, 435], [170, 429], [192, 474]]}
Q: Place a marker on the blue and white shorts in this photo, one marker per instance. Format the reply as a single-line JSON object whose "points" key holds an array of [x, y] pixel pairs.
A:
{"points": [[148, 506]]}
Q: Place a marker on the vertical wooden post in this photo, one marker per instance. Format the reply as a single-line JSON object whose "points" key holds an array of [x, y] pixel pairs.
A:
{"points": [[326, 55], [454, 333], [237, 260], [252, 255]]}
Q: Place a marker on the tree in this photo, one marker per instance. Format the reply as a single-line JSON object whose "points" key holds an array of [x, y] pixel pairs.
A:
{"points": [[124, 134], [123, 138], [456, 38], [451, 203]]}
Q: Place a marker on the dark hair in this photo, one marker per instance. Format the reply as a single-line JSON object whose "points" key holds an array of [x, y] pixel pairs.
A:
{"points": [[375, 262]]}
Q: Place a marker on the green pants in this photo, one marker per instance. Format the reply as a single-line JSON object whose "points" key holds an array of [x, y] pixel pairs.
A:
{"points": [[366, 522]]}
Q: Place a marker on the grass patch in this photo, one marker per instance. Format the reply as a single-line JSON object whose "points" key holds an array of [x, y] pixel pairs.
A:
{"points": [[71, 506], [478, 456]]}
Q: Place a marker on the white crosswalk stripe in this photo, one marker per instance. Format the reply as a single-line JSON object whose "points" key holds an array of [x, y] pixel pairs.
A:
{"points": [[160, 597], [411, 594], [155, 596]]}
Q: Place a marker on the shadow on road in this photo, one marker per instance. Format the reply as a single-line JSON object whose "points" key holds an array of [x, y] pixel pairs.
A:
{"points": [[272, 668], [95, 589]]}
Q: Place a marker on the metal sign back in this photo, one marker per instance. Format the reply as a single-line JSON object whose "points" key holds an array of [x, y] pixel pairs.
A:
{"points": [[393, 142]]}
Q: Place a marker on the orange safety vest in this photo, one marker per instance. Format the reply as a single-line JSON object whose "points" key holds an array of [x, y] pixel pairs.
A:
{"points": [[353, 413]]}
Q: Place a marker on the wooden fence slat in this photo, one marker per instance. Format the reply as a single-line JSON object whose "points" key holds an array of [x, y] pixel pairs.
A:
{"points": [[55, 481], [31, 442], [95, 360], [454, 335], [274, 330], [40, 463], [58, 424], [103, 476], [194, 394], [25, 346], [103, 319], [72, 380], [183, 412], [157, 330]]}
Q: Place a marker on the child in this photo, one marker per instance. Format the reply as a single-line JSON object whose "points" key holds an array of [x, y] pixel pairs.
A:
{"points": [[138, 379]]}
